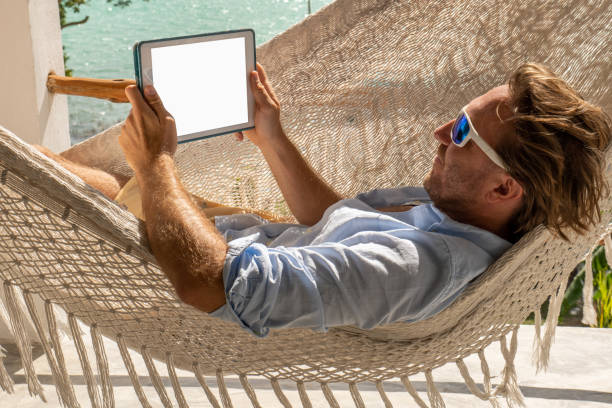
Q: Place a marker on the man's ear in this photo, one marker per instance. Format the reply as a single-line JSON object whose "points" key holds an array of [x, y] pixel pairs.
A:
{"points": [[507, 189]]}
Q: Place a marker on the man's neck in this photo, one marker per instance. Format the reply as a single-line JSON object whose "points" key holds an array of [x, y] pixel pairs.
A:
{"points": [[487, 220]]}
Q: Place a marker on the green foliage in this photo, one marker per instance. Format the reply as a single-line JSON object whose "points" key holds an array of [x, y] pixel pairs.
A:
{"points": [[602, 292], [602, 289], [573, 294], [67, 71], [75, 6]]}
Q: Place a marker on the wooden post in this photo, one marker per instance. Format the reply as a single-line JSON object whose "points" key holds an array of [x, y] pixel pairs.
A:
{"points": [[109, 89]]}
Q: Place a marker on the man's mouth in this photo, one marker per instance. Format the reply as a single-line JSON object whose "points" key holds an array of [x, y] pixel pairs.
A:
{"points": [[439, 155], [439, 160]]}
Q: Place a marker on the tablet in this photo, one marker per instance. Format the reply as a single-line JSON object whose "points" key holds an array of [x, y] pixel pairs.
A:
{"points": [[202, 80]]}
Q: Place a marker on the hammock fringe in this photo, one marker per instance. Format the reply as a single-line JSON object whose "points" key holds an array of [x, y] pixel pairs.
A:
{"points": [[211, 397], [303, 395], [484, 367], [469, 381], [129, 366], [435, 398], [59, 354], [537, 337], [4, 315], [6, 382], [509, 385], [16, 318], [176, 385], [329, 395], [249, 390], [413, 393], [383, 394], [279, 393], [108, 396], [155, 377], [61, 388], [90, 380], [223, 392], [607, 238], [554, 309], [589, 316], [356, 395]]}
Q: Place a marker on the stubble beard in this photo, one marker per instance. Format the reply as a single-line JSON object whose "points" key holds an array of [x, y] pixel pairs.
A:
{"points": [[454, 198]]}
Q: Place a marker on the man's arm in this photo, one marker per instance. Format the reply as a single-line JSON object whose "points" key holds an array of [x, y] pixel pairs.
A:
{"points": [[189, 249], [306, 193]]}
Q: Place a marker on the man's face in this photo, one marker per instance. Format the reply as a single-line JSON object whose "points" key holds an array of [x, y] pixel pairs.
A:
{"points": [[460, 176]]}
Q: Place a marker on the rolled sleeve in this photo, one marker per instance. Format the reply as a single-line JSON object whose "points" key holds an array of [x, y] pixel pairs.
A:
{"points": [[226, 312], [368, 279]]}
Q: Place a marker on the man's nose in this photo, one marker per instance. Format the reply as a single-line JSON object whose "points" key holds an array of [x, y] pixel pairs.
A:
{"points": [[442, 134]]}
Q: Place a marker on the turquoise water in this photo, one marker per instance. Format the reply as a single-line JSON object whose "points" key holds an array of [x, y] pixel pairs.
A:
{"points": [[102, 47]]}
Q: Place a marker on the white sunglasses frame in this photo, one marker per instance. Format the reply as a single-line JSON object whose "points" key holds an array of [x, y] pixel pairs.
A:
{"points": [[473, 135]]}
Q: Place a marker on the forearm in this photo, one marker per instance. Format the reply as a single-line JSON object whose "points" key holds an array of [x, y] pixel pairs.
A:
{"points": [[188, 247], [306, 193]]}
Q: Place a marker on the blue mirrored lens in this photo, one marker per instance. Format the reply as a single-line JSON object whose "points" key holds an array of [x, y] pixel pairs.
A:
{"points": [[461, 128]]}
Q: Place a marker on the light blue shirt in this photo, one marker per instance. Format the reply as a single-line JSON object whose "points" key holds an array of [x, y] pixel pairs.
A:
{"points": [[356, 266]]}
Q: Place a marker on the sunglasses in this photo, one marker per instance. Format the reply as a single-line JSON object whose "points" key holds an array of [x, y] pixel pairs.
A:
{"points": [[463, 131]]}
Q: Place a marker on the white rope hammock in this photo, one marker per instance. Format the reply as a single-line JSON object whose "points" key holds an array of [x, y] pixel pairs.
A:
{"points": [[362, 86]]}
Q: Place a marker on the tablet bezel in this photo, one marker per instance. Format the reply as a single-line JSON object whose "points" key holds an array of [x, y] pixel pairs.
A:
{"points": [[144, 72]]}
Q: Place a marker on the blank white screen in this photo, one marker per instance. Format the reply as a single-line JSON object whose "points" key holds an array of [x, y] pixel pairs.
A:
{"points": [[203, 85]]}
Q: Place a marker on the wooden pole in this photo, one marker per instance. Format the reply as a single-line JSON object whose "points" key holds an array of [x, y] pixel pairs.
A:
{"points": [[109, 89]]}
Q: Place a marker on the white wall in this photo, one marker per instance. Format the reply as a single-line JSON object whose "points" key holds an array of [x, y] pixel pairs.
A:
{"points": [[31, 47]]}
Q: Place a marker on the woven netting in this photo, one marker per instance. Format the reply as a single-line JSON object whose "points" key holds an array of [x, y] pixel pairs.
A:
{"points": [[362, 86]]}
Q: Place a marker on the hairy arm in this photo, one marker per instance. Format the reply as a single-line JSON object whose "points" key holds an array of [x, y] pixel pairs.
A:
{"points": [[189, 249], [306, 193]]}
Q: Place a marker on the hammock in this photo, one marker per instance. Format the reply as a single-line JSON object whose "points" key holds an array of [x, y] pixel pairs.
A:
{"points": [[362, 86]]}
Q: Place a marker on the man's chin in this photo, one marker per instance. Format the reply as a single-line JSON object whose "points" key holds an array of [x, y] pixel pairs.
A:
{"points": [[427, 182], [432, 187]]}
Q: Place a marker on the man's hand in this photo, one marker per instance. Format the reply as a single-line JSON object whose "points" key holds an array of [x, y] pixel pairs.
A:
{"points": [[187, 246], [306, 193], [267, 110], [148, 132]]}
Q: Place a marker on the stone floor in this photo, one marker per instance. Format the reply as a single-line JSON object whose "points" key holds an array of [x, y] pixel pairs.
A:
{"points": [[580, 375]]}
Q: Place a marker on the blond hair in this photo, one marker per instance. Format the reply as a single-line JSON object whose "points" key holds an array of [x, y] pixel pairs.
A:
{"points": [[556, 152]]}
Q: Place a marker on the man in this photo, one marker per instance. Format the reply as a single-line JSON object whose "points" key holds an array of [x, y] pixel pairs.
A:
{"points": [[522, 154]]}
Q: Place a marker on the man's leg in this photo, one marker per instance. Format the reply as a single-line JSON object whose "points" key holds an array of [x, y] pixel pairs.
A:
{"points": [[127, 193], [98, 179]]}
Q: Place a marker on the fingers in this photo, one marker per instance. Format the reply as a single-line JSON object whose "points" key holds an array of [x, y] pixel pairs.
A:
{"points": [[264, 79], [262, 98], [129, 129], [152, 105], [134, 121], [124, 138], [139, 105], [155, 102]]}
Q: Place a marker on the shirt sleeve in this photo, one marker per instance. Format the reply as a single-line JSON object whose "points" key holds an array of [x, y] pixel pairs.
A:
{"points": [[368, 279]]}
